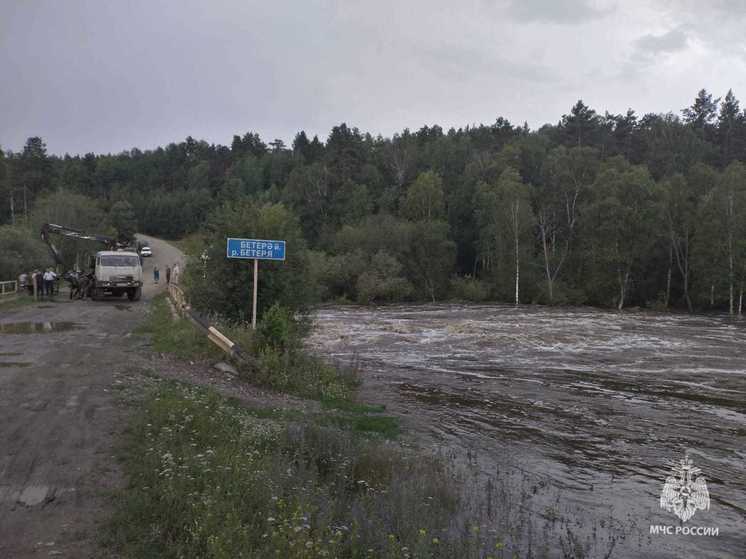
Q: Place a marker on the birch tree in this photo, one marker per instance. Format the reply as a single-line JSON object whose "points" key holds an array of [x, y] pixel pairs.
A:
{"points": [[424, 200], [709, 245], [567, 176], [506, 221], [680, 213], [731, 199]]}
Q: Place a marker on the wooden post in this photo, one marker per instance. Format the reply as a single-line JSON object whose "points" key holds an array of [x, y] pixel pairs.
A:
{"points": [[256, 280]]}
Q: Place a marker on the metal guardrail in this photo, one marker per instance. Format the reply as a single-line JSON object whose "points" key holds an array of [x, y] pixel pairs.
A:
{"points": [[8, 288], [181, 304]]}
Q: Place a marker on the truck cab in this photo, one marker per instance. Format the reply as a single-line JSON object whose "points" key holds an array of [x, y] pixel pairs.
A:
{"points": [[118, 273]]}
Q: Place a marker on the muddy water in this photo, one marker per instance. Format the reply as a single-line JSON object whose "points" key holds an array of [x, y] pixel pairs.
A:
{"points": [[591, 407]]}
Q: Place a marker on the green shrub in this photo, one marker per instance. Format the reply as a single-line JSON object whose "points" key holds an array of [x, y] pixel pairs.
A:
{"points": [[383, 280], [563, 295], [466, 288], [281, 363], [277, 330], [300, 373]]}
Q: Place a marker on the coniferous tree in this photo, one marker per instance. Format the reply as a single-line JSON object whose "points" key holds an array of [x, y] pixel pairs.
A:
{"points": [[730, 130]]}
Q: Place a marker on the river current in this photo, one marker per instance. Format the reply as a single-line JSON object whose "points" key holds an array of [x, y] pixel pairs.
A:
{"points": [[580, 413]]}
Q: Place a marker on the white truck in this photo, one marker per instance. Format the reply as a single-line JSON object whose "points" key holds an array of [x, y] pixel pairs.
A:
{"points": [[117, 273]]}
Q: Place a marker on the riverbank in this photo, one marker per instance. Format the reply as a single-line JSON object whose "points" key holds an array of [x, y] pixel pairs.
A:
{"points": [[210, 475]]}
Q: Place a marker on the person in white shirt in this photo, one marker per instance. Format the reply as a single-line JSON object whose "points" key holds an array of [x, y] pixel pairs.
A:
{"points": [[49, 278], [47, 282]]}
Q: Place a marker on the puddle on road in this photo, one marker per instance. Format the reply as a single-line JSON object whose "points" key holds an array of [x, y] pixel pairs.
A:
{"points": [[11, 364], [37, 327]]}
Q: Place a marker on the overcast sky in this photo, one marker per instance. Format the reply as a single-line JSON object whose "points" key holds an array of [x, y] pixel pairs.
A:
{"points": [[105, 76]]}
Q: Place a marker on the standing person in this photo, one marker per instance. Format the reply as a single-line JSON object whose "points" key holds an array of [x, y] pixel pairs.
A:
{"points": [[168, 275], [36, 283], [48, 285], [55, 282], [87, 284], [22, 282], [156, 274], [83, 287], [73, 278], [176, 273]]}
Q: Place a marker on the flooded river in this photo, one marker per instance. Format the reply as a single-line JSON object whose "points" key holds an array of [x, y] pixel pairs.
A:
{"points": [[585, 410]]}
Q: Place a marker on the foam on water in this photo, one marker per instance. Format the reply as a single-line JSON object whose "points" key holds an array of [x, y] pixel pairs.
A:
{"points": [[576, 393]]}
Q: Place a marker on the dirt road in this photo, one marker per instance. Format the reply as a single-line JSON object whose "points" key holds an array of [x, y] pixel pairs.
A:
{"points": [[61, 365], [164, 254]]}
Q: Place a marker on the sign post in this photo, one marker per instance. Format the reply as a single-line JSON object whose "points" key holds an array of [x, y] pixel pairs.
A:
{"points": [[256, 250], [256, 285]]}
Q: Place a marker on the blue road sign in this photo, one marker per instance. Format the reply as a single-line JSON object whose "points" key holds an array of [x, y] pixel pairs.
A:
{"points": [[258, 249]]}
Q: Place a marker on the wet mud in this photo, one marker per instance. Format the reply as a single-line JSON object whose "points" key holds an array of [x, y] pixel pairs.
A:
{"points": [[590, 408]]}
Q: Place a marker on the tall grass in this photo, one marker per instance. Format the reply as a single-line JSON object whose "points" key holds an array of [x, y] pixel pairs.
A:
{"points": [[176, 336], [210, 479], [279, 361]]}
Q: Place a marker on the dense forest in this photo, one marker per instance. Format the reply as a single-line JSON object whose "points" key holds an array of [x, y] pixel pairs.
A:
{"points": [[604, 209]]}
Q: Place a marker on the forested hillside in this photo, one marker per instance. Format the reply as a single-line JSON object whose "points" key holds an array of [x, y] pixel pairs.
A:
{"points": [[603, 209]]}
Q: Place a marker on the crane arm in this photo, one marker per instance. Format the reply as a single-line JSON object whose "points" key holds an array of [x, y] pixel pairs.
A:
{"points": [[52, 228]]}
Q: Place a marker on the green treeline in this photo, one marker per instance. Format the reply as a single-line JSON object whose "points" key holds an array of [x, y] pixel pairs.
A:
{"points": [[610, 210]]}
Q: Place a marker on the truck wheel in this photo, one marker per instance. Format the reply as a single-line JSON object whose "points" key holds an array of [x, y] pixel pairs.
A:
{"points": [[134, 294]]}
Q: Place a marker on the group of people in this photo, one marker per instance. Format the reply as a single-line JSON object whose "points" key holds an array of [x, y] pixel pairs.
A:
{"points": [[80, 284], [171, 274], [46, 282]]}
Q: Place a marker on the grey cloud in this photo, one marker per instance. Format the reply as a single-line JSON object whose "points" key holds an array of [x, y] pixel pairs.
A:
{"points": [[717, 24], [731, 9], [109, 78], [646, 50], [454, 62], [567, 12], [674, 40]]}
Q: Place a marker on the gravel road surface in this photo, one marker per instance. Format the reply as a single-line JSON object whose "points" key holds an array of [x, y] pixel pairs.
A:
{"points": [[61, 365]]}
